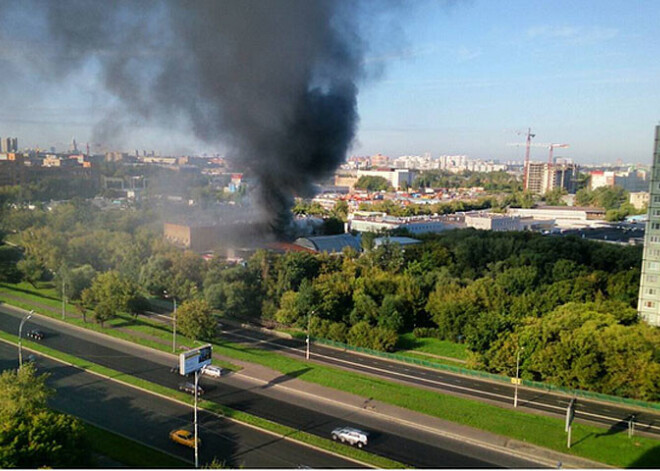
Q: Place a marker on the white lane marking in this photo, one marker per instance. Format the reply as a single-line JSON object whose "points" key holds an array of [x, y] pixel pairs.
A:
{"points": [[450, 385]]}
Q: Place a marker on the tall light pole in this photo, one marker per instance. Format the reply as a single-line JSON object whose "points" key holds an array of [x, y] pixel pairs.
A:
{"points": [[515, 394], [196, 439], [309, 328], [20, 330], [63, 299], [174, 327], [173, 323]]}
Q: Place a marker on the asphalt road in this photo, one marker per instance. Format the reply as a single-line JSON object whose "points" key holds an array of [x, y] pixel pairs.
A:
{"points": [[609, 415], [148, 419], [413, 447]]}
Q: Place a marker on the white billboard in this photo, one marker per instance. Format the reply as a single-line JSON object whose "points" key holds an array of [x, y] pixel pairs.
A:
{"points": [[193, 360]]}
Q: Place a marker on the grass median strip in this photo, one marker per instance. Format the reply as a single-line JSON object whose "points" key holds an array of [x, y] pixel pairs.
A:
{"points": [[239, 416], [129, 452], [607, 446]]}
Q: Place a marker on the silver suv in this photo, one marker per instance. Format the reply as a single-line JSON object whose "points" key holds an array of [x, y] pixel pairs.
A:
{"points": [[350, 435]]}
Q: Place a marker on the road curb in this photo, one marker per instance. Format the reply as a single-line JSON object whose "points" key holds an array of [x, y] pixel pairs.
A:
{"points": [[461, 438], [177, 401]]}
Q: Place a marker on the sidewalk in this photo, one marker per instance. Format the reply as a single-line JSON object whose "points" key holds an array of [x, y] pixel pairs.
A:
{"points": [[264, 375]]}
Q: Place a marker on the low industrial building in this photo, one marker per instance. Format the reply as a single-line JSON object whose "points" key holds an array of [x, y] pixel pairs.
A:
{"points": [[333, 244], [363, 221]]}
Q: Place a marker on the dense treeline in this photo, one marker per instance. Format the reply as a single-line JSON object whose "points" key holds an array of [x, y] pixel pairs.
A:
{"points": [[489, 181], [567, 304]]}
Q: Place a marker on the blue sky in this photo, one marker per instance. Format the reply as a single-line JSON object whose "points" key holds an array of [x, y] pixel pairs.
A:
{"points": [[472, 74], [460, 77]]}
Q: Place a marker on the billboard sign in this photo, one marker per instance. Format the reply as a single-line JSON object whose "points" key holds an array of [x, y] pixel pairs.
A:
{"points": [[193, 360]]}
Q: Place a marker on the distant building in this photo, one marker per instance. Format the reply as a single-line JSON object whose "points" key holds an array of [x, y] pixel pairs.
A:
{"points": [[8, 144], [200, 238], [639, 199], [398, 178], [493, 221], [331, 244], [379, 160], [629, 180], [543, 177], [648, 304], [362, 221], [503, 222]]}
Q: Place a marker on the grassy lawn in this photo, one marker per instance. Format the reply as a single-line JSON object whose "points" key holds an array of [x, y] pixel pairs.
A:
{"points": [[598, 444], [434, 346], [128, 452], [239, 416]]}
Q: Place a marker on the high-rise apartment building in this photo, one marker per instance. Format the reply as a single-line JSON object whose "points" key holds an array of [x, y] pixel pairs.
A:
{"points": [[8, 144], [648, 304], [543, 177]]}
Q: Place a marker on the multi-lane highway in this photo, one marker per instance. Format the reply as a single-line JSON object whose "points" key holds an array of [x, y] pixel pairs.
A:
{"points": [[415, 447], [610, 415], [148, 419]]}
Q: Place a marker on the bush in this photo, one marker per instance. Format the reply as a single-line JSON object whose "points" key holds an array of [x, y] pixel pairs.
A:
{"points": [[422, 332]]}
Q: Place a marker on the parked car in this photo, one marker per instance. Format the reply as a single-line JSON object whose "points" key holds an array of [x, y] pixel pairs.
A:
{"points": [[350, 435], [35, 335], [211, 370], [184, 437], [190, 388]]}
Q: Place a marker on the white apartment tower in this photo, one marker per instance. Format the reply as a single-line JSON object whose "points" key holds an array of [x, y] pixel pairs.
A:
{"points": [[648, 304]]}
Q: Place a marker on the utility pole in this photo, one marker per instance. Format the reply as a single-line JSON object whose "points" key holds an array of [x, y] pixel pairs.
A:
{"points": [[517, 381], [20, 343], [174, 327], [196, 439], [63, 299], [309, 326]]}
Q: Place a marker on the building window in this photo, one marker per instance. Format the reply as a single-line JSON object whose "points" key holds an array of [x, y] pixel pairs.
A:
{"points": [[656, 199], [649, 304], [650, 291], [654, 266], [651, 278]]}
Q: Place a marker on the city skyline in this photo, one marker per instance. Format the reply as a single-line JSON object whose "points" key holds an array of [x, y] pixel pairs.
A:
{"points": [[450, 78]]}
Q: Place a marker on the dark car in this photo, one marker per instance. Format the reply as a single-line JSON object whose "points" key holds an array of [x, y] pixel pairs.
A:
{"points": [[35, 335], [190, 388]]}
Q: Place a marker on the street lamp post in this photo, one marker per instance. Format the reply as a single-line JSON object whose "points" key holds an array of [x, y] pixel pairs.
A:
{"points": [[20, 330], [515, 394], [63, 299], [196, 439], [173, 323], [174, 327], [309, 326]]}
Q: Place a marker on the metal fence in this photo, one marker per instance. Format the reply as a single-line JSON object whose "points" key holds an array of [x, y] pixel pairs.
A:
{"points": [[493, 377]]}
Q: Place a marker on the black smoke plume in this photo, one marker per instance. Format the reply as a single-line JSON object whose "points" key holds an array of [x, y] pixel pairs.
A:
{"points": [[275, 80]]}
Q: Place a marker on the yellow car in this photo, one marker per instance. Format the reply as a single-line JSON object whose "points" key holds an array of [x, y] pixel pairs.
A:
{"points": [[184, 437]]}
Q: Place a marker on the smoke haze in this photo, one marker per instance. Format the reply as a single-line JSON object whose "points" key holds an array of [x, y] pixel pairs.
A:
{"points": [[276, 81]]}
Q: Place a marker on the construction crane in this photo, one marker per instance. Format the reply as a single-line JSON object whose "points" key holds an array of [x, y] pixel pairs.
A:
{"points": [[527, 145], [551, 161]]}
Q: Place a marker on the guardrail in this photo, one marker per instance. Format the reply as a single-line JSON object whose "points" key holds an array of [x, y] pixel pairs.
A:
{"points": [[494, 377]]}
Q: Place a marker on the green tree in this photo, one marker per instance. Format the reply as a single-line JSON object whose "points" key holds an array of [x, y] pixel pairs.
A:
{"points": [[103, 312], [195, 320], [31, 269], [31, 436], [372, 183], [9, 257]]}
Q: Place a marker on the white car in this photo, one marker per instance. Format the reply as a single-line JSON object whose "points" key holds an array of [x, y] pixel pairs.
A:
{"points": [[211, 370], [350, 435]]}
